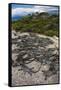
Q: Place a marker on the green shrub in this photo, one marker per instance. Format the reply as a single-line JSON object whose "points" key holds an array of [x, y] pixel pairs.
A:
{"points": [[35, 23]]}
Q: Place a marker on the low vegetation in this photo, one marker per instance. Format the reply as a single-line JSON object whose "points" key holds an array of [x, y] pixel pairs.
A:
{"points": [[42, 23]]}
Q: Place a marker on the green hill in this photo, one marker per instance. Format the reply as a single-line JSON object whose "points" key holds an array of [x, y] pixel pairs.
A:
{"points": [[42, 23]]}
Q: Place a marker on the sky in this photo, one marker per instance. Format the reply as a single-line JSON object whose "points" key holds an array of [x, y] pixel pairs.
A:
{"points": [[22, 10]]}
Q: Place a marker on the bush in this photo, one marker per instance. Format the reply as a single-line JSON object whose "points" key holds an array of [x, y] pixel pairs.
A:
{"points": [[37, 24]]}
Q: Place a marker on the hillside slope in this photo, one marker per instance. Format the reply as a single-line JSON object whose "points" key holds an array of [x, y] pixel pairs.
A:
{"points": [[42, 23]]}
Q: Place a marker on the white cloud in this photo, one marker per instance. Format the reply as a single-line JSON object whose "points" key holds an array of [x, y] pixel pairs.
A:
{"points": [[24, 11], [46, 8], [20, 11]]}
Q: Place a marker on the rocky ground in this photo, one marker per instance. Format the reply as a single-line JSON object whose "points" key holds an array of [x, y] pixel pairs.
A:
{"points": [[35, 59]]}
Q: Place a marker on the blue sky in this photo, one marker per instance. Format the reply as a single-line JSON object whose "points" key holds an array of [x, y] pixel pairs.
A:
{"points": [[22, 10], [21, 6]]}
